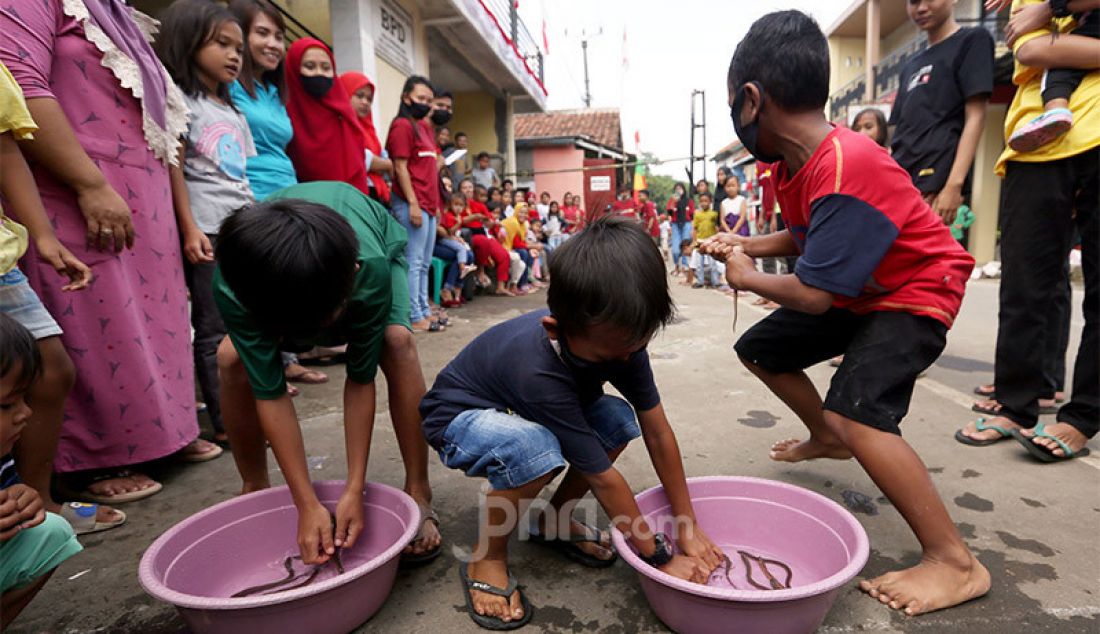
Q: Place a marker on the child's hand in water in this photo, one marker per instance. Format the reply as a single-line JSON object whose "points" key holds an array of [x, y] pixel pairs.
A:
{"points": [[695, 543], [688, 568], [349, 518], [315, 534]]}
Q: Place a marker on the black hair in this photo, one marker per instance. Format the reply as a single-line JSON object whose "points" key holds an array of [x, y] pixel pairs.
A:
{"points": [[481, 155], [643, 191], [787, 53], [186, 27], [455, 195], [479, 188], [246, 12], [610, 273], [685, 244], [705, 195], [284, 248], [494, 190], [18, 347], [442, 93], [411, 83], [681, 205], [458, 134], [880, 120], [507, 180]]}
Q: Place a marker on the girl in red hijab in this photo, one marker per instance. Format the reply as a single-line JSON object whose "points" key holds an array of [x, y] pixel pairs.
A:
{"points": [[328, 142], [360, 91]]}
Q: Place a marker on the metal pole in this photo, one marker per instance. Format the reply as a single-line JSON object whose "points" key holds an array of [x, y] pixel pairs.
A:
{"points": [[513, 15], [691, 152], [587, 92], [703, 94]]}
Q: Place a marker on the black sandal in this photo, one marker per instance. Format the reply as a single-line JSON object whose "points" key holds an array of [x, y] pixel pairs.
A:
{"points": [[409, 560], [568, 546], [491, 622]]}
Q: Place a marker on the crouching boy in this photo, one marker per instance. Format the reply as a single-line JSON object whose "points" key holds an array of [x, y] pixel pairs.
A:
{"points": [[880, 280], [525, 400]]}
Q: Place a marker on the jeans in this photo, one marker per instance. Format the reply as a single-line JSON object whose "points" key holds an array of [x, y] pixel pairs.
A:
{"points": [[418, 251], [555, 241], [511, 451], [209, 332], [707, 262], [1037, 230], [525, 255], [680, 231], [454, 254]]}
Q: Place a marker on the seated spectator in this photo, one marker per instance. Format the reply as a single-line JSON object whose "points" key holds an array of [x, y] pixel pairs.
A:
{"points": [[571, 213], [554, 228], [34, 542], [451, 248], [507, 185], [507, 204], [496, 199], [460, 168], [543, 207], [515, 227]]}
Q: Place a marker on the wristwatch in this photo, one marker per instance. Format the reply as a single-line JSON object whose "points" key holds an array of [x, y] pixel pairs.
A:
{"points": [[662, 551], [1060, 8]]}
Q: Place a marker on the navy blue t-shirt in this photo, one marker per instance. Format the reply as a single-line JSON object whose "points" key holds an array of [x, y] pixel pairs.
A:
{"points": [[513, 367]]}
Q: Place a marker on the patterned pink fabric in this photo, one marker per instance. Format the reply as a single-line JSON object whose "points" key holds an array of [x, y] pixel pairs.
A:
{"points": [[128, 334]]}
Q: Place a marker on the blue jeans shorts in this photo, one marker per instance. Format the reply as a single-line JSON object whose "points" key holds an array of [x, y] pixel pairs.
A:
{"points": [[511, 451], [19, 301]]}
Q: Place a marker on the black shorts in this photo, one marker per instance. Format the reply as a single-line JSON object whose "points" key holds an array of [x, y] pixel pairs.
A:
{"points": [[884, 353]]}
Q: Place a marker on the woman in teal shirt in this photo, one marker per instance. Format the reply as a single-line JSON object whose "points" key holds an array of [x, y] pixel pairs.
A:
{"points": [[259, 94]]}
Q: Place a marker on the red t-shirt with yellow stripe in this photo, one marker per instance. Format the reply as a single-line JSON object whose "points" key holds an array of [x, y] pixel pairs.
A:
{"points": [[867, 236]]}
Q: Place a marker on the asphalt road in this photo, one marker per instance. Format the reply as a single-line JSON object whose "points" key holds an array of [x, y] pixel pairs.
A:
{"points": [[1034, 526]]}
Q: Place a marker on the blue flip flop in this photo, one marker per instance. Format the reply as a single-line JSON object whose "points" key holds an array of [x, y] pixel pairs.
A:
{"points": [[981, 426], [1043, 453]]}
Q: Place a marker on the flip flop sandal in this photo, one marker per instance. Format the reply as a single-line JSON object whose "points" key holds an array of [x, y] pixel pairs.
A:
{"points": [[203, 456], [491, 622], [981, 426], [981, 391], [84, 495], [568, 546], [82, 517], [408, 560], [311, 377], [990, 410], [1044, 454]]}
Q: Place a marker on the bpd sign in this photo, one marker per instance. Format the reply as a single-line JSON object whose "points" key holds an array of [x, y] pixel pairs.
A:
{"points": [[394, 35]]}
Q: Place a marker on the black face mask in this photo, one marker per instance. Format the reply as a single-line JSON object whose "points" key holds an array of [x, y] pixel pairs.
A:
{"points": [[441, 117], [747, 133], [316, 86], [589, 369], [418, 110]]}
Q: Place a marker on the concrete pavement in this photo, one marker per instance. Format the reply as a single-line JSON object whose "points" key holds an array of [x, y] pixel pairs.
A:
{"points": [[1034, 526]]}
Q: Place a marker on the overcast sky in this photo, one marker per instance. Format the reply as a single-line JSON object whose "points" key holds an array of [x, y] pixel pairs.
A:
{"points": [[672, 49]]}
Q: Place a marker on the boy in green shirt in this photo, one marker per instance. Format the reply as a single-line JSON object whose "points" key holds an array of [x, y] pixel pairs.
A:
{"points": [[318, 264]]}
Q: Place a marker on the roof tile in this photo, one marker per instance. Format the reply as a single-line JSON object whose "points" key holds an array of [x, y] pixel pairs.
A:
{"points": [[598, 124]]}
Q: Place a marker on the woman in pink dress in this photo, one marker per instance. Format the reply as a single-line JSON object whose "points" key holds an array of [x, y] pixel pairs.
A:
{"points": [[109, 122]]}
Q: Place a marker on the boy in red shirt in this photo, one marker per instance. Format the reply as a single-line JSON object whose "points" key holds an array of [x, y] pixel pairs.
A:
{"points": [[880, 280]]}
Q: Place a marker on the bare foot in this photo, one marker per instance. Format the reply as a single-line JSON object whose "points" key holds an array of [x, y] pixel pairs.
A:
{"points": [[929, 586], [795, 450], [495, 573], [1062, 431], [971, 429]]}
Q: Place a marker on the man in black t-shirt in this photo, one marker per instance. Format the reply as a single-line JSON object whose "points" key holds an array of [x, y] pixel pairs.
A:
{"points": [[939, 111]]}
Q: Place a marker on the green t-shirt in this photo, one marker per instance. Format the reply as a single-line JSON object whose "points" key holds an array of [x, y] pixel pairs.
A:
{"points": [[378, 299]]}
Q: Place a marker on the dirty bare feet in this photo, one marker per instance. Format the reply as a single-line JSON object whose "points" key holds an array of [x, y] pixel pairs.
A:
{"points": [[1062, 431], [495, 573], [930, 585], [971, 428], [428, 537], [795, 450]]}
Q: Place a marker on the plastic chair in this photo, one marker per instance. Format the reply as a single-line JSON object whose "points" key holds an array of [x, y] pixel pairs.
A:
{"points": [[439, 267]]}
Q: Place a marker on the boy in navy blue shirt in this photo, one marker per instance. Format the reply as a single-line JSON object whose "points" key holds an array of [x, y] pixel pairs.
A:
{"points": [[525, 400]]}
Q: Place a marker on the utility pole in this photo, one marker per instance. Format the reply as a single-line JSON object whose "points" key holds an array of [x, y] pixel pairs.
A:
{"points": [[698, 99], [585, 36]]}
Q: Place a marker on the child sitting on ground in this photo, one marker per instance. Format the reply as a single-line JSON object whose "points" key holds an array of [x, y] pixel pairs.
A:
{"points": [[452, 249], [520, 424], [341, 256], [854, 215], [705, 224], [33, 542]]}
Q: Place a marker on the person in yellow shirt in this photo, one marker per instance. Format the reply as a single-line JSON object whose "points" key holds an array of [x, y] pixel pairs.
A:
{"points": [[515, 227], [1048, 193], [705, 225], [34, 453]]}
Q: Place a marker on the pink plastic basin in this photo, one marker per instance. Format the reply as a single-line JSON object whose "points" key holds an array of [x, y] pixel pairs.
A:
{"points": [[243, 542], [822, 543]]}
